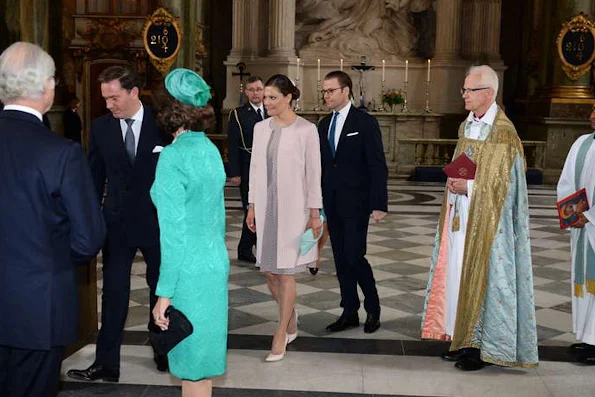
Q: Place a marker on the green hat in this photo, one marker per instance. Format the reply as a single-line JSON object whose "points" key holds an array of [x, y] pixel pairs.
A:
{"points": [[188, 87]]}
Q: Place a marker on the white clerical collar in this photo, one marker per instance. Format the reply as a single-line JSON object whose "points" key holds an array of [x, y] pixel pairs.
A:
{"points": [[25, 109], [487, 118]]}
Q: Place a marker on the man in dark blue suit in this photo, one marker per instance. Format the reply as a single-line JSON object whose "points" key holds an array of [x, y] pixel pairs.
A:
{"points": [[50, 220], [240, 132], [354, 179], [124, 147]]}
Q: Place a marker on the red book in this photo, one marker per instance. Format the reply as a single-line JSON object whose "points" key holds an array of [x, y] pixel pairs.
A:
{"points": [[461, 167], [571, 207]]}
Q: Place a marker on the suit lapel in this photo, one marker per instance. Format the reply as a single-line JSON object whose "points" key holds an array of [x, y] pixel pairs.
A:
{"points": [[147, 132], [115, 132], [347, 127]]}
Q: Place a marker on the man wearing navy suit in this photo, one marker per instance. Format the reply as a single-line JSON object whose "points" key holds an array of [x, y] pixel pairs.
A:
{"points": [[50, 220], [354, 185], [124, 147], [240, 132]]}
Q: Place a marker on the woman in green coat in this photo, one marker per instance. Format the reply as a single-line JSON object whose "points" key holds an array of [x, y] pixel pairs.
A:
{"points": [[188, 195]]}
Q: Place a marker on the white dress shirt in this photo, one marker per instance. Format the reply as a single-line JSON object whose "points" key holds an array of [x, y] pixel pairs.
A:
{"points": [[25, 109], [261, 107], [339, 123], [136, 126]]}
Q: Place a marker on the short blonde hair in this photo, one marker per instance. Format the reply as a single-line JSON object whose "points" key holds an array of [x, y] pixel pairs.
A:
{"points": [[24, 68]]}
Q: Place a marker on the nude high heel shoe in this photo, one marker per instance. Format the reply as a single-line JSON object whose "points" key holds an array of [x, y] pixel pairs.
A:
{"points": [[271, 358], [292, 337]]}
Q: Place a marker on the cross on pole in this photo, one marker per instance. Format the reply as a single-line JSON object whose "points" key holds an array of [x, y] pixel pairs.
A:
{"points": [[241, 67]]}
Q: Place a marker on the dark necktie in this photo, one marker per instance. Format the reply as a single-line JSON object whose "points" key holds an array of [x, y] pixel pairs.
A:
{"points": [[259, 113], [129, 141], [331, 133]]}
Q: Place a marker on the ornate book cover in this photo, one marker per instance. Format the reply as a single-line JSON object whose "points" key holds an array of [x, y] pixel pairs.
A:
{"points": [[571, 207]]}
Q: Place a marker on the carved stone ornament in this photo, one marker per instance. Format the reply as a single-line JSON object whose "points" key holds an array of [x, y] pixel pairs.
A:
{"points": [[108, 34], [162, 37], [576, 46]]}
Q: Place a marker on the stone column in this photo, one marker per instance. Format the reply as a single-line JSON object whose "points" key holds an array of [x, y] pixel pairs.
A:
{"points": [[253, 30], [448, 29], [282, 28], [238, 40], [34, 22], [481, 37]]}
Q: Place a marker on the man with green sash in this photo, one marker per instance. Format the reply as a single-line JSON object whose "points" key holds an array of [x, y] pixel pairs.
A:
{"points": [[577, 174], [480, 289]]}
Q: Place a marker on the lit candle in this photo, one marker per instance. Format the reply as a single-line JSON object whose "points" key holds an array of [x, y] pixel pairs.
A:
{"points": [[341, 64], [297, 74], [383, 69], [406, 70], [429, 62], [318, 69]]}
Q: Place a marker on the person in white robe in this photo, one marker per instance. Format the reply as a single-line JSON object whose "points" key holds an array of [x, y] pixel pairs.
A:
{"points": [[579, 173], [480, 289]]}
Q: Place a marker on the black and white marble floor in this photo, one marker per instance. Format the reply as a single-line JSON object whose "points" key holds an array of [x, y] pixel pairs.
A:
{"points": [[392, 361]]}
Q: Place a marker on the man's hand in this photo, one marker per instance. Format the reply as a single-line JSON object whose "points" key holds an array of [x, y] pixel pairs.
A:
{"points": [[236, 180], [457, 185], [582, 221], [159, 312], [378, 215], [250, 219]]}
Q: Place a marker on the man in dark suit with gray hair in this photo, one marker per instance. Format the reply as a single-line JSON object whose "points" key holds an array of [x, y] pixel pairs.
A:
{"points": [[50, 220]]}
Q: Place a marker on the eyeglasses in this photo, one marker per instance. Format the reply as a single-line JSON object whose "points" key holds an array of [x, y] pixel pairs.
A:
{"points": [[470, 90], [330, 90]]}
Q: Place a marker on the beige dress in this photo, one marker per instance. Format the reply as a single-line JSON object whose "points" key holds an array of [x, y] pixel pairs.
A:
{"points": [[284, 184]]}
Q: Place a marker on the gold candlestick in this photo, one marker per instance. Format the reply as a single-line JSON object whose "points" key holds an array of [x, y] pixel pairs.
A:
{"points": [[427, 109], [405, 109]]}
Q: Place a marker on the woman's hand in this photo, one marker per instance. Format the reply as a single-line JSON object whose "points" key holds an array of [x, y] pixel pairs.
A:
{"points": [[316, 225], [159, 313], [250, 219]]}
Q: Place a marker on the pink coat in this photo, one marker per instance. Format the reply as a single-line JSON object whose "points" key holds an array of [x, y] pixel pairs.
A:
{"points": [[298, 187]]}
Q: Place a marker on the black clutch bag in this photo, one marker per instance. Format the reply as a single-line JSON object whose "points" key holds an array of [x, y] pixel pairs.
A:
{"points": [[179, 329]]}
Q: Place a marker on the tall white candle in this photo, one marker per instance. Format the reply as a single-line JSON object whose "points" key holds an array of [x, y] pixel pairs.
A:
{"points": [[318, 69], [341, 64], [429, 62], [297, 73], [406, 70], [383, 70]]}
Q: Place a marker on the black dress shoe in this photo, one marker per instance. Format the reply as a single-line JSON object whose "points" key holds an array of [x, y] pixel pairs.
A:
{"points": [[95, 372], [313, 270], [344, 322], [587, 357], [470, 363], [455, 355], [246, 257], [580, 347], [372, 323], [162, 363]]}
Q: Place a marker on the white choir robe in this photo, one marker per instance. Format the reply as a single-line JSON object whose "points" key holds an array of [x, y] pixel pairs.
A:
{"points": [[583, 308]]}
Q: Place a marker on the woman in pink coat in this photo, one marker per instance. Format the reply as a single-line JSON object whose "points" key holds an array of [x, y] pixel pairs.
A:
{"points": [[285, 198]]}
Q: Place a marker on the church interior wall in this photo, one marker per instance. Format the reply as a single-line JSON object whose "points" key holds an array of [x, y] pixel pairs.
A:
{"points": [[269, 35]]}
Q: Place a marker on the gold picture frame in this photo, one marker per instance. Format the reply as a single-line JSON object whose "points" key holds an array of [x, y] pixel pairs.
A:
{"points": [[576, 46], [162, 37]]}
